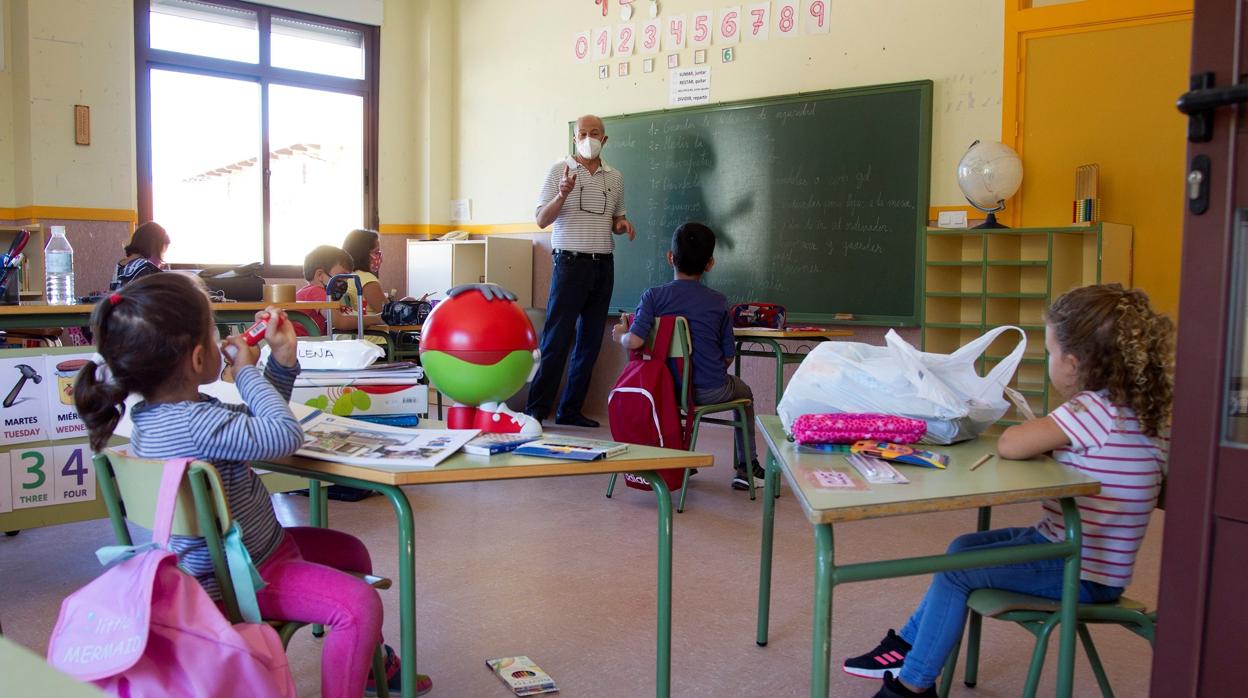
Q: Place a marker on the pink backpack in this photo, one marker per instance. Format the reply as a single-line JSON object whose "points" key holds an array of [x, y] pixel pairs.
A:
{"points": [[642, 404], [846, 428], [146, 628]]}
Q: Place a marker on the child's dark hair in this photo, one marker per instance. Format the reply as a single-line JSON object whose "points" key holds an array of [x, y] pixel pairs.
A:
{"points": [[149, 240], [359, 244], [144, 332], [325, 258], [693, 245], [1122, 345]]}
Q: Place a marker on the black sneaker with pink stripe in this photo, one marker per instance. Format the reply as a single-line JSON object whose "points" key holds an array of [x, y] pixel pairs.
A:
{"points": [[889, 655]]}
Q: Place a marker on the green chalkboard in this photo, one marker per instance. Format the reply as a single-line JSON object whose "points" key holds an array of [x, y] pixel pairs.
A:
{"points": [[818, 200]]}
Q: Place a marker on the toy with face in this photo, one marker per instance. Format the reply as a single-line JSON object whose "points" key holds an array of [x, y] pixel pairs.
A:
{"points": [[478, 347]]}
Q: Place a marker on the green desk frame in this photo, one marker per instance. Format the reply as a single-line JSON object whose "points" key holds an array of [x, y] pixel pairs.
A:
{"points": [[1054, 482]]}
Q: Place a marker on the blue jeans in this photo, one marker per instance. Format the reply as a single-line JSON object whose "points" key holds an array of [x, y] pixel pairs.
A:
{"points": [[580, 296], [937, 623]]}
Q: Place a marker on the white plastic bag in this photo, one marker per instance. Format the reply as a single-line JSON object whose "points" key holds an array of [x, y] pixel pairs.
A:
{"points": [[942, 389], [340, 355]]}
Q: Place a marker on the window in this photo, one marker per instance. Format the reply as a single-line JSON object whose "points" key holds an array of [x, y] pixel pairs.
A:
{"points": [[256, 128]]}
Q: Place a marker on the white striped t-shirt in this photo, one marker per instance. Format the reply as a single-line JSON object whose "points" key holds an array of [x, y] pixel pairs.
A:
{"points": [[584, 222], [1106, 443]]}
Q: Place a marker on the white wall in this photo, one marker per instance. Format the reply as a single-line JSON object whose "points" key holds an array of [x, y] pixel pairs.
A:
{"points": [[6, 105], [517, 86]]}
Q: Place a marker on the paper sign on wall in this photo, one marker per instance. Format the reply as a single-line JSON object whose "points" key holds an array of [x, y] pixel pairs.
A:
{"points": [[24, 405], [602, 43], [690, 86], [815, 16], [700, 28], [757, 24], [32, 478], [728, 28], [648, 40], [73, 474], [62, 371], [580, 47], [6, 488], [786, 18], [675, 37], [625, 39]]}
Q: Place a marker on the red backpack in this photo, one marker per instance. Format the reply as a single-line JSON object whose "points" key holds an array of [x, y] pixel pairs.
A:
{"points": [[642, 405]]}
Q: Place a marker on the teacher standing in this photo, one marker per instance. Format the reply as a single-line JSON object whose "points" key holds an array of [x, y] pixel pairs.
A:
{"points": [[584, 199]]}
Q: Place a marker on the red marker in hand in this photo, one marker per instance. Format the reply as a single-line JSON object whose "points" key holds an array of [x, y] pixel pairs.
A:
{"points": [[252, 337]]}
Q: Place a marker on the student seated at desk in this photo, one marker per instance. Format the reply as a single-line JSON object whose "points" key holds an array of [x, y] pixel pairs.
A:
{"points": [[156, 337], [1110, 356], [364, 246], [144, 255], [322, 264], [706, 310]]}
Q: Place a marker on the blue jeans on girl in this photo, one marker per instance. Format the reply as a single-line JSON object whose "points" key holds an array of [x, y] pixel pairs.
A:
{"points": [[936, 625]]}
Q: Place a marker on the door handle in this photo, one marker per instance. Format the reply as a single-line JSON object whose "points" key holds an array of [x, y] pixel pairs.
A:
{"points": [[1206, 99]]}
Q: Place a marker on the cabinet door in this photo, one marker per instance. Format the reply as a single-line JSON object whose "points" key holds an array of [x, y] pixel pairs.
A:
{"points": [[428, 268]]}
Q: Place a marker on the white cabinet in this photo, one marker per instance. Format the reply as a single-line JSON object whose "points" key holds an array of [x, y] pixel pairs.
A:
{"points": [[438, 265]]}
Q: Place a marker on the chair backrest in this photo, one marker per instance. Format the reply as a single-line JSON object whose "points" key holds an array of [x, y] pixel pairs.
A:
{"points": [[136, 482], [681, 349]]}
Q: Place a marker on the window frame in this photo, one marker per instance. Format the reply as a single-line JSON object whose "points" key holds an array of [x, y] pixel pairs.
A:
{"points": [[263, 73]]}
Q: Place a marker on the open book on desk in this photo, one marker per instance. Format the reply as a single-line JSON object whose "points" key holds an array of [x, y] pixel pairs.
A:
{"points": [[354, 442]]}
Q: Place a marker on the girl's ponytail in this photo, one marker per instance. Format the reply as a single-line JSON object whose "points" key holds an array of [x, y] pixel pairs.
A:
{"points": [[100, 403]]}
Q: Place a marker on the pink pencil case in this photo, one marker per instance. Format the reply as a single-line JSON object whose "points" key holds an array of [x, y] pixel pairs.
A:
{"points": [[846, 428]]}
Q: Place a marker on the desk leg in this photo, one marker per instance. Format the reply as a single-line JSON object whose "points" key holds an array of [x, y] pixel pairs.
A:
{"points": [[407, 585], [663, 653], [1070, 599], [736, 361], [317, 518], [821, 647], [975, 624], [772, 484]]}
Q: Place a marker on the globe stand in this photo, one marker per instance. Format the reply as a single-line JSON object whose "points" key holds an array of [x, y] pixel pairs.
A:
{"points": [[991, 222]]}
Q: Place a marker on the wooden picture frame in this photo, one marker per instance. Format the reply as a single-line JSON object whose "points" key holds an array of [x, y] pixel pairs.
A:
{"points": [[82, 124]]}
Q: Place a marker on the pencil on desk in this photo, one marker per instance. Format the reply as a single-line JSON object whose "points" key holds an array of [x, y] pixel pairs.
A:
{"points": [[982, 459]]}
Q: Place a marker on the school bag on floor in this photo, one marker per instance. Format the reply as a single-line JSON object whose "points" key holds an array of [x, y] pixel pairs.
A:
{"points": [[145, 628], [642, 405]]}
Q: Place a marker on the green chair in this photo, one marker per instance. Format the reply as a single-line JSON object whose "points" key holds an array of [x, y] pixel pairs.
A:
{"points": [[681, 348], [130, 486], [1039, 616]]}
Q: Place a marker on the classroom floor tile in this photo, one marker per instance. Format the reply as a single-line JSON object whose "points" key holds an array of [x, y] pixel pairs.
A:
{"points": [[552, 569]]}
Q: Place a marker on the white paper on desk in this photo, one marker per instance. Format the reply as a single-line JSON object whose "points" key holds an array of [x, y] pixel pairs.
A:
{"points": [[344, 440]]}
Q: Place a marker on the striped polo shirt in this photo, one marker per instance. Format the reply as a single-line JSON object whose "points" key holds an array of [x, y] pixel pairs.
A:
{"points": [[228, 436], [1106, 443], [584, 222]]}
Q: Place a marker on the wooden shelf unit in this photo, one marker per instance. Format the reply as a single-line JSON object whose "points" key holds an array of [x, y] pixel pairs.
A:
{"points": [[977, 279], [439, 265]]}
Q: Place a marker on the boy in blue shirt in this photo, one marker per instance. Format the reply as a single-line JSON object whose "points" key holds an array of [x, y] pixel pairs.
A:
{"points": [[706, 310]]}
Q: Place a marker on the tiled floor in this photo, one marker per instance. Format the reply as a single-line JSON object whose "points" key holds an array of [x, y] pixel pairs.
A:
{"points": [[551, 569]]}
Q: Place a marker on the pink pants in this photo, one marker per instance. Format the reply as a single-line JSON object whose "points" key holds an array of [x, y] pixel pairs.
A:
{"points": [[308, 582]]}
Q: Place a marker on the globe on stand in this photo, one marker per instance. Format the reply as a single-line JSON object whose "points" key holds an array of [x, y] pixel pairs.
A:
{"points": [[989, 173]]}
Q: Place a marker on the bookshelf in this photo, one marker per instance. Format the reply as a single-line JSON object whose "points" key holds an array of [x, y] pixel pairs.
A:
{"points": [[976, 279], [30, 279]]}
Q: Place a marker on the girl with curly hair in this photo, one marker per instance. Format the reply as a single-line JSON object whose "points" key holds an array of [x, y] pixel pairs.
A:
{"points": [[1110, 357]]}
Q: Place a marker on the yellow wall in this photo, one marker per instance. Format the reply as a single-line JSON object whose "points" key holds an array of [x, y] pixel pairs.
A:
{"points": [[516, 86], [1108, 97]]}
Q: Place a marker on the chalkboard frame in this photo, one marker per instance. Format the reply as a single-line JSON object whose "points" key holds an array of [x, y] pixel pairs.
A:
{"points": [[924, 89]]}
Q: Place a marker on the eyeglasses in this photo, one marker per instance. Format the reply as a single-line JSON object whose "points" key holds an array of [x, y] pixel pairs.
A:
{"points": [[592, 199]]}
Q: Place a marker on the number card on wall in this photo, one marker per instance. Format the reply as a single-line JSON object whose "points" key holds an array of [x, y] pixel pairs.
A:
{"points": [[32, 479], [786, 19], [24, 405], [580, 47], [6, 487], [73, 474], [728, 29], [62, 371], [758, 21], [815, 16], [700, 24], [625, 39], [650, 35], [602, 43], [674, 39]]}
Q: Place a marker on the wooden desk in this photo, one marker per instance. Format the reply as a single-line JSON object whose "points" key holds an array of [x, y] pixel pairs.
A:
{"points": [[996, 482], [42, 315], [771, 339], [643, 460], [24, 673]]}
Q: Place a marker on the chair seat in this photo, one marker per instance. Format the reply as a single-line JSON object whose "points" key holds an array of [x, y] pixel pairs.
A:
{"points": [[720, 406], [995, 602]]}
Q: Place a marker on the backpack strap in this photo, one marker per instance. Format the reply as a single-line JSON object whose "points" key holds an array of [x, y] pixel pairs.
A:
{"points": [[243, 574], [663, 336], [167, 499]]}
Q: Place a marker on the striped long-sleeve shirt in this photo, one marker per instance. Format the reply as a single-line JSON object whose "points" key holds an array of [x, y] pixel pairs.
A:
{"points": [[1106, 443], [228, 436]]}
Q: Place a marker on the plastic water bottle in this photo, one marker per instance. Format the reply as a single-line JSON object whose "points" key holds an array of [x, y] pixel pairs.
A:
{"points": [[58, 269]]}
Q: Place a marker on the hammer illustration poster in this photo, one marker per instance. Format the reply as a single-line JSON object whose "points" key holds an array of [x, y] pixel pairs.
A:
{"points": [[24, 411]]}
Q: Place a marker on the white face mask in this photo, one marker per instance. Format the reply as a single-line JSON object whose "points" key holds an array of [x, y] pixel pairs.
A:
{"points": [[589, 148]]}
